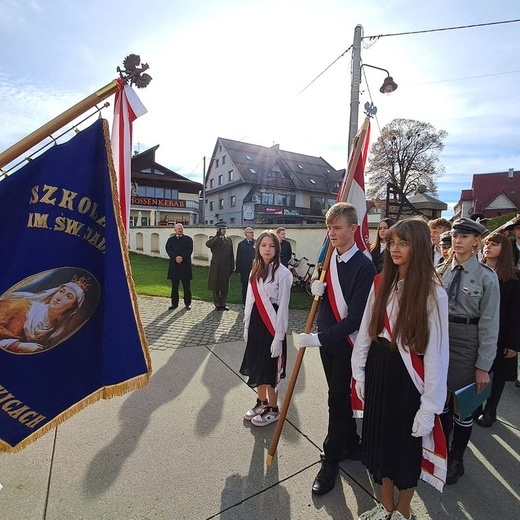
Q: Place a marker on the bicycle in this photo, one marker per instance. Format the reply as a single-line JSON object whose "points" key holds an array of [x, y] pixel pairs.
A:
{"points": [[301, 282]]}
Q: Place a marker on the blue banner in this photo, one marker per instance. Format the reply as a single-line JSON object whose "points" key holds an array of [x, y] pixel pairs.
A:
{"points": [[70, 331]]}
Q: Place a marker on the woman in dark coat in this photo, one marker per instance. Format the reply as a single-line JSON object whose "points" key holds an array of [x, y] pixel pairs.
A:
{"points": [[498, 256]]}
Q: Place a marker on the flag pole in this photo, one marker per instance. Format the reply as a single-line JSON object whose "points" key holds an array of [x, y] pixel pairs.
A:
{"points": [[342, 197], [58, 122], [132, 74]]}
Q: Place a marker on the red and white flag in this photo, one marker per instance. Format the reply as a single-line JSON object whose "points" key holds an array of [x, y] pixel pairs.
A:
{"points": [[356, 197], [128, 108]]}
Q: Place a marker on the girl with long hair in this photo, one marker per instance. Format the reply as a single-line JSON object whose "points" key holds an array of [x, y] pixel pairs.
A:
{"points": [[377, 249], [499, 256], [266, 321], [400, 363]]}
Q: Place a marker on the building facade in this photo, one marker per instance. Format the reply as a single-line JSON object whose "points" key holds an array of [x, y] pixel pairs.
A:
{"points": [[159, 195], [491, 195], [247, 184]]}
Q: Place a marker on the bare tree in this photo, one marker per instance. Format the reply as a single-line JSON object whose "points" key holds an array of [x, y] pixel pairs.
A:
{"points": [[406, 154]]}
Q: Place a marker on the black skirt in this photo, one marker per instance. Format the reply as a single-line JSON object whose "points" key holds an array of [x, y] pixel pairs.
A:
{"points": [[257, 363], [388, 449]]}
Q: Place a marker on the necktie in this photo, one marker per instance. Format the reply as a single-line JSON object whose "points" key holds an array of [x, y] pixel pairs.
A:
{"points": [[453, 290]]}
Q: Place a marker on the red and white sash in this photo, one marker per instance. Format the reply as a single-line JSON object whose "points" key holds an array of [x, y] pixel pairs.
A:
{"points": [[268, 316], [434, 450], [340, 310]]}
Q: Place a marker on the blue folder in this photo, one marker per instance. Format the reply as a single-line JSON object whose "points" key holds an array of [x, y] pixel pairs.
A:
{"points": [[469, 400]]}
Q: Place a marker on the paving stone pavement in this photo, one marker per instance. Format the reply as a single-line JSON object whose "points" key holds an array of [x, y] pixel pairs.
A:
{"points": [[202, 325]]}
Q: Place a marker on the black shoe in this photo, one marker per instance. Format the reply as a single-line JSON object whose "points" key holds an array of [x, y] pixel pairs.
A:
{"points": [[488, 417], [517, 383], [188, 307], [455, 470], [218, 308], [225, 308], [347, 453], [171, 307], [325, 479]]}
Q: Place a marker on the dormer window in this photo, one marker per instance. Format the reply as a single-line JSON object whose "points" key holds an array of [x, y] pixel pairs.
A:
{"points": [[312, 181]]}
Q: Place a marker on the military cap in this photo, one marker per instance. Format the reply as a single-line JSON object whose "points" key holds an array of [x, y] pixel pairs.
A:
{"points": [[249, 229], [516, 222], [445, 239], [466, 225]]}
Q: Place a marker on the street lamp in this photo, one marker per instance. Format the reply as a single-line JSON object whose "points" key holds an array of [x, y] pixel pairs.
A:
{"points": [[388, 86]]}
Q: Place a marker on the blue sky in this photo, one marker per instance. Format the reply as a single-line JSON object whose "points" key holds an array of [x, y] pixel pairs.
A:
{"points": [[235, 69]]}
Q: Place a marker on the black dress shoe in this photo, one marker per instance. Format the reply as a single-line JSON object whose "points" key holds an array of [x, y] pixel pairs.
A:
{"points": [[188, 307], [218, 308], [325, 479], [488, 417], [225, 308], [171, 307]]}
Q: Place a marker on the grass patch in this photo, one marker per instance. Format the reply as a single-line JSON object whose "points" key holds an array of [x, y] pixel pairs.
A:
{"points": [[150, 273]]}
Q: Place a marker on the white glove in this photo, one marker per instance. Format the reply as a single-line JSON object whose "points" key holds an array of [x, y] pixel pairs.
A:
{"points": [[309, 340], [422, 423], [246, 331], [276, 348], [360, 390], [318, 288]]}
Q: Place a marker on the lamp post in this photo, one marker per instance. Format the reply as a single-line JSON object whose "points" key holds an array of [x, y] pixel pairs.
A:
{"points": [[387, 87]]}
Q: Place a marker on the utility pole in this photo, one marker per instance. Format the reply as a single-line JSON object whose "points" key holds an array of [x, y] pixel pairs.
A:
{"points": [[354, 85]]}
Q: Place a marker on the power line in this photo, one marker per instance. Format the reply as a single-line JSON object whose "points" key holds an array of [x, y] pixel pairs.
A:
{"points": [[441, 29], [408, 33]]}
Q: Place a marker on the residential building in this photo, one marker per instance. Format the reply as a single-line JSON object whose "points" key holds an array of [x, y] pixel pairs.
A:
{"points": [[491, 195], [247, 184], [159, 195]]}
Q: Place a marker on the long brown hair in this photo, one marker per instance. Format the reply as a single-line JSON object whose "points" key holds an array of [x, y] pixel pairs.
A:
{"points": [[411, 325], [505, 268], [260, 269], [377, 242]]}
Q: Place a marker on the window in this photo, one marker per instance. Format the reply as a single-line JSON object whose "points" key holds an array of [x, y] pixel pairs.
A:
{"points": [[280, 200], [312, 181], [223, 159], [249, 158], [252, 170], [300, 166], [216, 163], [212, 183], [317, 205], [231, 175], [233, 201], [220, 180], [211, 206], [221, 204], [267, 198], [219, 147], [159, 193], [232, 220]]}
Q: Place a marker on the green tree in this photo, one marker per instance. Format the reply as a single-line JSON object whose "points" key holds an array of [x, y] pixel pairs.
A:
{"points": [[406, 154]]}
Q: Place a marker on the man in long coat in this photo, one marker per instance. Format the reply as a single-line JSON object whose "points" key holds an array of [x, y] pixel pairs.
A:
{"points": [[179, 248], [245, 257], [221, 266]]}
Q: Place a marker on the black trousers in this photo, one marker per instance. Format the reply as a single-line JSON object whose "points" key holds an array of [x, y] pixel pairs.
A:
{"points": [[186, 288], [341, 431]]}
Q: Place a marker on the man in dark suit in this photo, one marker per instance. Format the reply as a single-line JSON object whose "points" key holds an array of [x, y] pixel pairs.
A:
{"points": [[245, 257], [180, 248], [285, 247]]}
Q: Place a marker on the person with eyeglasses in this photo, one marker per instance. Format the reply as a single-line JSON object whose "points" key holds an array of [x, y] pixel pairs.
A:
{"points": [[474, 305], [400, 365]]}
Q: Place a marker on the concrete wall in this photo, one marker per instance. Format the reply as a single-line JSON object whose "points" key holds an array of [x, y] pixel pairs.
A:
{"points": [[151, 241]]}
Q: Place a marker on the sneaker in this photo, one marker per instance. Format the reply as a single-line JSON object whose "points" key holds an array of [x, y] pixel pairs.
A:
{"points": [[267, 416], [377, 513], [257, 409], [396, 515]]}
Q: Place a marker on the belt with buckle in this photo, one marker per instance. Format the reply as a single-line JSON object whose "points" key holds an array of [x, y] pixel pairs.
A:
{"points": [[465, 321]]}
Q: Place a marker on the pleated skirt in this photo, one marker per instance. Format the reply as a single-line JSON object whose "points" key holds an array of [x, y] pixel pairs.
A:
{"points": [[257, 363], [388, 449]]}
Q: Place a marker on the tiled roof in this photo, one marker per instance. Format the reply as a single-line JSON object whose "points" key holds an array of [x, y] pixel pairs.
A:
{"points": [[488, 186]]}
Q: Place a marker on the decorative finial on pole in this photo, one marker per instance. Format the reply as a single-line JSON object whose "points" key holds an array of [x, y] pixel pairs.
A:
{"points": [[370, 109], [132, 74]]}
